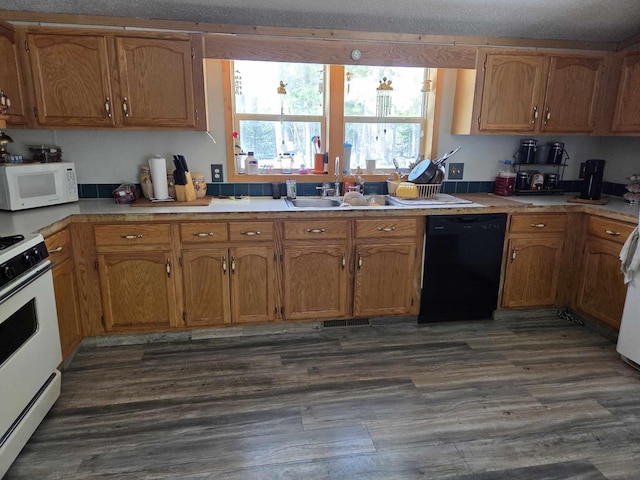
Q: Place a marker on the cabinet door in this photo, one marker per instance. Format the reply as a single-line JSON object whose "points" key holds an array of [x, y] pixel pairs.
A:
{"points": [[571, 94], [253, 284], [206, 286], [627, 111], [138, 291], [532, 271], [64, 284], [156, 82], [602, 291], [384, 279], [11, 80], [315, 282], [71, 80], [512, 93]]}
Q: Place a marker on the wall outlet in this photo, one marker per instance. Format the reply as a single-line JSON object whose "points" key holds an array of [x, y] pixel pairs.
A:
{"points": [[583, 166], [217, 173], [456, 170]]}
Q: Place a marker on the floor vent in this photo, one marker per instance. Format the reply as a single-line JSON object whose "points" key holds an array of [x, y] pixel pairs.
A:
{"points": [[353, 322]]}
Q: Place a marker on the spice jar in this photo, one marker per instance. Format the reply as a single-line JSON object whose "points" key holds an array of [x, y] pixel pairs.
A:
{"points": [[145, 182], [199, 184]]}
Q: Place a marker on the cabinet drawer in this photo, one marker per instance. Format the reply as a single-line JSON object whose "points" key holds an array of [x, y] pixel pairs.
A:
{"points": [[315, 229], [250, 231], [59, 245], [609, 229], [542, 223], [132, 234], [203, 232], [386, 228]]}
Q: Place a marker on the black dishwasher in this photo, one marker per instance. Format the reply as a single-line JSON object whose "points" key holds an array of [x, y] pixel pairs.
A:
{"points": [[462, 267]]}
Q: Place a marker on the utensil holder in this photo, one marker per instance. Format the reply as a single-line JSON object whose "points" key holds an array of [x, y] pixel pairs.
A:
{"points": [[186, 193]]}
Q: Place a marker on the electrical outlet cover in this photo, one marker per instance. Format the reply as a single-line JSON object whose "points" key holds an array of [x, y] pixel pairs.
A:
{"points": [[456, 171], [217, 173]]}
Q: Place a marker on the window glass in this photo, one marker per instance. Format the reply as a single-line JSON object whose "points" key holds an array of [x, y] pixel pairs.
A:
{"points": [[384, 114]]}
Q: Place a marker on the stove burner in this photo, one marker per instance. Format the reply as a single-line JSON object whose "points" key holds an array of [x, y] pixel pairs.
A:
{"points": [[6, 242]]}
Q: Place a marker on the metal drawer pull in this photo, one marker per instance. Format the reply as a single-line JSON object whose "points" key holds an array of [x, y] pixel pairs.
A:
{"points": [[107, 106], [168, 268], [547, 117], [125, 107], [513, 254], [612, 233], [359, 261], [233, 264], [131, 237], [250, 234], [56, 250], [203, 234], [224, 265], [315, 230], [538, 225], [535, 114], [386, 229], [344, 261]]}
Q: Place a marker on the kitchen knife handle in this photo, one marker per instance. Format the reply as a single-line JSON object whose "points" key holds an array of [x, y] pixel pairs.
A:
{"points": [[224, 265], [125, 107], [612, 233], [131, 237], [107, 106]]}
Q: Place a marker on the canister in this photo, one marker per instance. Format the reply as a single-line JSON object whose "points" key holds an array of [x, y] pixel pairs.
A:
{"points": [[556, 153], [523, 181], [199, 184], [550, 181], [145, 182], [527, 152]]}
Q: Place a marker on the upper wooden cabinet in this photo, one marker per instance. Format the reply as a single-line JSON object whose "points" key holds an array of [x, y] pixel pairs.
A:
{"points": [[11, 81], [529, 92], [626, 117], [94, 80]]}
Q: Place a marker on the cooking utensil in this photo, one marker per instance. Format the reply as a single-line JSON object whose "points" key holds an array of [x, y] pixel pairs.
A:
{"points": [[425, 170]]}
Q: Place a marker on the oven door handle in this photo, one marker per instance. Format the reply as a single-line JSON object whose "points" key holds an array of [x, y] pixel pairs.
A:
{"points": [[28, 281]]}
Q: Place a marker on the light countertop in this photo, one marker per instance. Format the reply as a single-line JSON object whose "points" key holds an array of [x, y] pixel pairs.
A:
{"points": [[47, 220]]}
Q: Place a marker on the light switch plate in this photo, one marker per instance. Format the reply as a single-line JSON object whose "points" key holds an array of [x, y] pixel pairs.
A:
{"points": [[456, 170], [217, 173]]}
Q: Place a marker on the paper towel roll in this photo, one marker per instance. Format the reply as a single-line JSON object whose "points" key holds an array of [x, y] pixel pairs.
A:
{"points": [[158, 166]]}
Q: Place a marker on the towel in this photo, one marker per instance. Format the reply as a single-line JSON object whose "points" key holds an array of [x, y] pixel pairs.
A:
{"points": [[630, 256]]}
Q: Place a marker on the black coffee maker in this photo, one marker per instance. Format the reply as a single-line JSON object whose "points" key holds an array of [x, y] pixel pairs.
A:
{"points": [[592, 183]]}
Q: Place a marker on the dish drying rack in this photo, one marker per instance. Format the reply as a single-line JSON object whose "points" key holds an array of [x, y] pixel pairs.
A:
{"points": [[425, 190]]}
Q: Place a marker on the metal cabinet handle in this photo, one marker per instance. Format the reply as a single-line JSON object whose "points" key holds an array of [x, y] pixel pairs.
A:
{"points": [[56, 250], [547, 117], [386, 229], [250, 234], [538, 225], [224, 265], [233, 264], [513, 254], [203, 234], [359, 261], [125, 106], [5, 103], [344, 261], [612, 233], [131, 237], [315, 230], [534, 115], [168, 265], [107, 106]]}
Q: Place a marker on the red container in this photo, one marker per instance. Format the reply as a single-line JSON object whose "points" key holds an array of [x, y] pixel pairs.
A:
{"points": [[505, 186]]}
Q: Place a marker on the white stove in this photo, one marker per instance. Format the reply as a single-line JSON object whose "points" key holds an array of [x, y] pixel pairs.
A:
{"points": [[29, 342]]}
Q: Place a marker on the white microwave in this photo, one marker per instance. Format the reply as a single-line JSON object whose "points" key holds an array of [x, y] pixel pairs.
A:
{"points": [[31, 185]]}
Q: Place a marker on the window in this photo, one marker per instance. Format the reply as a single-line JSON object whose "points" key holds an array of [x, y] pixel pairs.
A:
{"points": [[278, 109], [384, 114]]}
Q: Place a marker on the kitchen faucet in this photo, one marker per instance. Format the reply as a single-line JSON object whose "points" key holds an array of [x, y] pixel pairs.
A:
{"points": [[337, 169]]}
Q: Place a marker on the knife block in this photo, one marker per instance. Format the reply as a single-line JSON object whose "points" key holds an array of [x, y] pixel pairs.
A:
{"points": [[186, 193]]}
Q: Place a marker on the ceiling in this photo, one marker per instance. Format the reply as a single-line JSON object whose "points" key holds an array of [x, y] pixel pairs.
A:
{"points": [[579, 20]]}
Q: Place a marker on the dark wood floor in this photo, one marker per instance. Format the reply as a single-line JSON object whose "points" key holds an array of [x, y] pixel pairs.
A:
{"points": [[508, 399]]}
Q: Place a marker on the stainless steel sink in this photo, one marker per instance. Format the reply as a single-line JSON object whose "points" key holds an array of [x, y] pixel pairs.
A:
{"points": [[313, 202]]}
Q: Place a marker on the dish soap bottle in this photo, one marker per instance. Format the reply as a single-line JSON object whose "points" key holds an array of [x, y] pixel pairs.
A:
{"points": [[251, 164]]}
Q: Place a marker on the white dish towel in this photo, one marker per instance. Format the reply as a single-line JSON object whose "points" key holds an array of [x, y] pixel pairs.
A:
{"points": [[630, 256]]}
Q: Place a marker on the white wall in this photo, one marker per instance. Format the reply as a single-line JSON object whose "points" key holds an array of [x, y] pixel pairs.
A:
{"points": [[114, 156]]}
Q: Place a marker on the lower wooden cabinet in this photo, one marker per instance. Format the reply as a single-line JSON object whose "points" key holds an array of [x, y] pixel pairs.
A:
{"points": [[384, 279], [205, 277], [138, 290], [253, 285], [315, 282]]}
